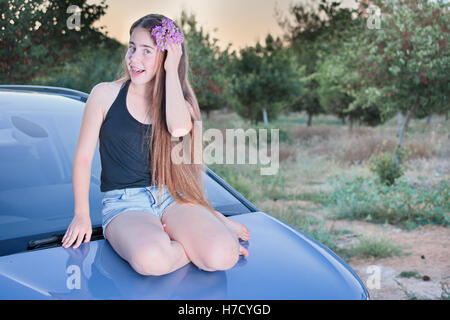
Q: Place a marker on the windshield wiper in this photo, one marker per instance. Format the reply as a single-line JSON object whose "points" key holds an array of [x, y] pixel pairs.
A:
{"points": [[55, 240]]}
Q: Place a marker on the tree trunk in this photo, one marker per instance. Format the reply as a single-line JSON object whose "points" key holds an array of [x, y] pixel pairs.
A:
{"points": [[310, 119], [208, 114], [343, 121], [399, 122], [402, 134], [350, 124], [266, 122], [428, 119]]}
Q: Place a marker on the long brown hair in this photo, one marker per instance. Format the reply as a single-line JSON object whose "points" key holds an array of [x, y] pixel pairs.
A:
{"points": [[184, 181]]}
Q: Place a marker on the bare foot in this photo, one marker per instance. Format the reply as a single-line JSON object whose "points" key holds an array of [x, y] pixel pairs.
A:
{"points": [[238, 228], [243, 251]]}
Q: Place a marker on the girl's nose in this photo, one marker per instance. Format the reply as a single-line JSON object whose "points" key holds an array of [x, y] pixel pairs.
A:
{"points": [[134, 55], [134, 59]]}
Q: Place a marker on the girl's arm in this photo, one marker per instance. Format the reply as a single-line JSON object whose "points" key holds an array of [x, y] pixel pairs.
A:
{"points": [[179, 121]]}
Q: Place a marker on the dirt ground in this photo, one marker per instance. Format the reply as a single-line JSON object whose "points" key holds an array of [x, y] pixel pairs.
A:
{"points": [[426, 248]]}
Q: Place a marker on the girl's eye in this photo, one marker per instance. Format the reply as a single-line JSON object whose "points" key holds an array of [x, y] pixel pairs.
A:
{"points": [[148, 51], [131, 48]]}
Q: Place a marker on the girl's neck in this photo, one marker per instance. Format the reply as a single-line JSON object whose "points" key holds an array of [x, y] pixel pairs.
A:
{"points": [[140, 90]]}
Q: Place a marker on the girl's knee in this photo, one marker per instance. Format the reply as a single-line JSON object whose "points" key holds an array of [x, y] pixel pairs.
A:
{"points": [[151, 261], [221, 255]]}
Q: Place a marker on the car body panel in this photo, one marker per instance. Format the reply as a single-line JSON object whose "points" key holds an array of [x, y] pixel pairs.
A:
{"points": [[283, 264]]}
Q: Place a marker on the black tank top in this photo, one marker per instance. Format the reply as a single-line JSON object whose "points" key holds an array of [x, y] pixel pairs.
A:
{"points": [[123, 147]]}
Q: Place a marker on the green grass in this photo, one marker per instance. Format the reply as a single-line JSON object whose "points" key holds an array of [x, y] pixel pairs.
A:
{"points": [[304, 121], [404, 205], [376, 247], [256, 188], [309, 224], [312, 183], [356, 198], [248, 181], [320, 198], [410, 274], [343, 232]]}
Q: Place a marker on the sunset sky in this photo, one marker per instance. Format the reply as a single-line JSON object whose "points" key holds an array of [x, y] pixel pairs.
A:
{"points": [[241, 22]]}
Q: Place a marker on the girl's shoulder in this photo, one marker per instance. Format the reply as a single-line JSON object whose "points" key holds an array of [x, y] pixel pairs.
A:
{"points": [[109, 86], [108, 93]]}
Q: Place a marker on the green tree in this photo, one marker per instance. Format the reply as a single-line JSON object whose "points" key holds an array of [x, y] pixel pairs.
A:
{"points": [[34, 36], [331, 92], [266, 80], [86, 68], [335, 77], [207, 63], [406, 62], [316, 32]]}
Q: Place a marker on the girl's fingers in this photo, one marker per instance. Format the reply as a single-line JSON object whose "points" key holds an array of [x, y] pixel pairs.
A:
{"points": [[174, 46], [68, 232], [88, 236], [67, 236], [70, 239], [79, 240]]}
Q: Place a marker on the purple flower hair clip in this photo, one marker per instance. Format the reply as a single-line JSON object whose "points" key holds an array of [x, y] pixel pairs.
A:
{"points": [[166, 33]]}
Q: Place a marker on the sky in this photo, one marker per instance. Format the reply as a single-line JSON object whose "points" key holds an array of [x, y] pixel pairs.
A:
{"points": [[239, 22]]}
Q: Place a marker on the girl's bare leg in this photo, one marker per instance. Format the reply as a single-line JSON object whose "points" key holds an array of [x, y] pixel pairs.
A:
{"points": [[238, 228], [139, 238]]}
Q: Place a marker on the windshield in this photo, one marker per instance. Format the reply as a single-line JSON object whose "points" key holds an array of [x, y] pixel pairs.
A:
{"points": [[38, 137]]}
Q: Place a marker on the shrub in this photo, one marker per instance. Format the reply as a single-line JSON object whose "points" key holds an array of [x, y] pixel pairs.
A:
{"points": [[384, 167], [85, 69], [361, 198], [377, 247]]}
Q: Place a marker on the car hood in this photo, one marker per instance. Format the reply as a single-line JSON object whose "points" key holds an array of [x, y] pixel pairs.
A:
{"points": [[284, 263]]}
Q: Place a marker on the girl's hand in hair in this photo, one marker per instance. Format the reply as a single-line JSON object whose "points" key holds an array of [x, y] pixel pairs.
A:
{"points": [[174, 53]]}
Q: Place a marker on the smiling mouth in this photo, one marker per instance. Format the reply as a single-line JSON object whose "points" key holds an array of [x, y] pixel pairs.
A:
{"points": [[136, 72]]}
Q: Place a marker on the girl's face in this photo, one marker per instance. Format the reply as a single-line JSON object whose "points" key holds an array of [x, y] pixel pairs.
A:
{"points": [[142, 55]]}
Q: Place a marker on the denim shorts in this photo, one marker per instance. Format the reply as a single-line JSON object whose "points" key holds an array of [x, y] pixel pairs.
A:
{"points": [[141, 198]]}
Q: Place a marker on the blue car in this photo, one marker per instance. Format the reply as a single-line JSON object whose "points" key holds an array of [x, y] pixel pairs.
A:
{"points": [[39, 128]]}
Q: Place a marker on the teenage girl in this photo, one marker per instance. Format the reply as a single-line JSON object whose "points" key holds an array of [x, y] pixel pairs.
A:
{"points": [[156, 215]]}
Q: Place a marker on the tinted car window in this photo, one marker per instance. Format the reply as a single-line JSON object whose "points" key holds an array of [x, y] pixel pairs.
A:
{"points": [[38, 138]]}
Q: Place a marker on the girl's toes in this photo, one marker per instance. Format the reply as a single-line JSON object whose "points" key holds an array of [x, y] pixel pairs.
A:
{"points": [[246, 234], [243, 251]]}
